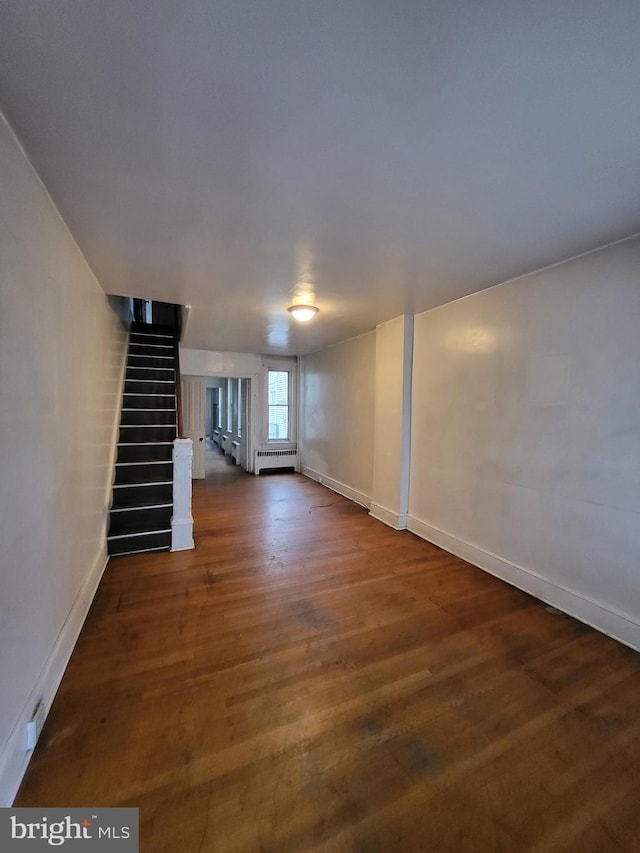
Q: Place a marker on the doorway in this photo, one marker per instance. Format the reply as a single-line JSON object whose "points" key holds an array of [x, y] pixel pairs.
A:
{"points": [[216, 415]]}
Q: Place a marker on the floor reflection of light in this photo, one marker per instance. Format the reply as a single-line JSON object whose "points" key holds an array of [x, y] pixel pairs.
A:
{"points": [[280, 529]]}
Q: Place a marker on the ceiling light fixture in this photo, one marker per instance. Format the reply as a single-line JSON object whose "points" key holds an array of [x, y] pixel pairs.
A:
{"points": [[303, 313]]}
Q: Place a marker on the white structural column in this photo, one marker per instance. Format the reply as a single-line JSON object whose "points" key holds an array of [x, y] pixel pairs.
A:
{"points": [[182, 520], [392, 422]]}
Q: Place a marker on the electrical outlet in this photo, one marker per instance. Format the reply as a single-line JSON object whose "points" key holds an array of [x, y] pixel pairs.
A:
{"points": [[34, 726]]}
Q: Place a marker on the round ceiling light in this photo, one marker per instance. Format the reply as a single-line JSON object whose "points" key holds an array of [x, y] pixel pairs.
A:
{"points": [[303, 313]]}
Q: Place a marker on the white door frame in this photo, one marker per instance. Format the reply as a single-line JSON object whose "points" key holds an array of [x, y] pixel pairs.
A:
{"points": [[193, 418]]}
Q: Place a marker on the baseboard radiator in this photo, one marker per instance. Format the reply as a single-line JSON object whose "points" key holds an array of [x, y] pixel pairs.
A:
{"points": [[226, 444], [268, 459], [216, 437], [235, 451]]}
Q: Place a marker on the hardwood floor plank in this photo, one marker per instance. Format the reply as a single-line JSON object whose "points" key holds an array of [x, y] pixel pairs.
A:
{"points": [[309, 679]]}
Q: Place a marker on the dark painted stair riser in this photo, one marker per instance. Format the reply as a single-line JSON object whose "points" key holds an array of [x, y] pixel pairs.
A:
{"points": [[133, 496], [140, 517], [152, 329], [151, 374], [142, 386], [146, 360], [145, 452], [141, 400], [133, 433], [151, 417], [143, 472], [140, 520]]}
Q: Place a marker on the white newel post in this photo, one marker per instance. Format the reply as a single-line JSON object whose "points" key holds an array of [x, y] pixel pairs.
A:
{"points": [[182, 520]]}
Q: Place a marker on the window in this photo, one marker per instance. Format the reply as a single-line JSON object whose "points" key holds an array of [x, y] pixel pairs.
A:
{"points": [[239, 432], [229, 405], [278, 401], [217, 407]]}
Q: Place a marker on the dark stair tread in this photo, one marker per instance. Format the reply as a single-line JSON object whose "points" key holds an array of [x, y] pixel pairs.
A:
{"points": [[140, 551], [154, 338], [146, 446], [155, 345], [156, 369], [141, 531], [154, 349], [153, 360], [146, 480], [131, 463], [132, 497], [150, 503], [121, 527], [131, 544]]}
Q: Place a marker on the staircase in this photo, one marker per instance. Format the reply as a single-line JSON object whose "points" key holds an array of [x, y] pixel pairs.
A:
{"points": [[140, 516]]}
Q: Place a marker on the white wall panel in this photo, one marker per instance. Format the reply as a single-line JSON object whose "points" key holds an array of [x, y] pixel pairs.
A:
{"points": [[392, 435], [526, 428], [337, 422], [62, 353]]}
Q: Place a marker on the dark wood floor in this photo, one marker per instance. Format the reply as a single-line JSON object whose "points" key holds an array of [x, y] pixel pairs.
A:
{"points": [[308, 679]]}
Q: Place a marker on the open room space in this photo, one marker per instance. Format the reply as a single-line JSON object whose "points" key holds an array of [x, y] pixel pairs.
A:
{"points": [[320, 424], [309, 679]]}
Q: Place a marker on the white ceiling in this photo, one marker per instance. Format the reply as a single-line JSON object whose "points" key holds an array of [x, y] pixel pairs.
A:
{"points": [[394, 154]]}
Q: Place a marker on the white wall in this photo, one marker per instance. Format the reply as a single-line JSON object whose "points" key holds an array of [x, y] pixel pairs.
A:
{"points": [[62, 354], [526, 434], [201, 362], [392, 421], [337, 387]]}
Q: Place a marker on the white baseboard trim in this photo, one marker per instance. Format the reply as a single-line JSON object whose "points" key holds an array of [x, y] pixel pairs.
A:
{"points": [[336, 486], [621, 626], [14, 757], [387, 516]]}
